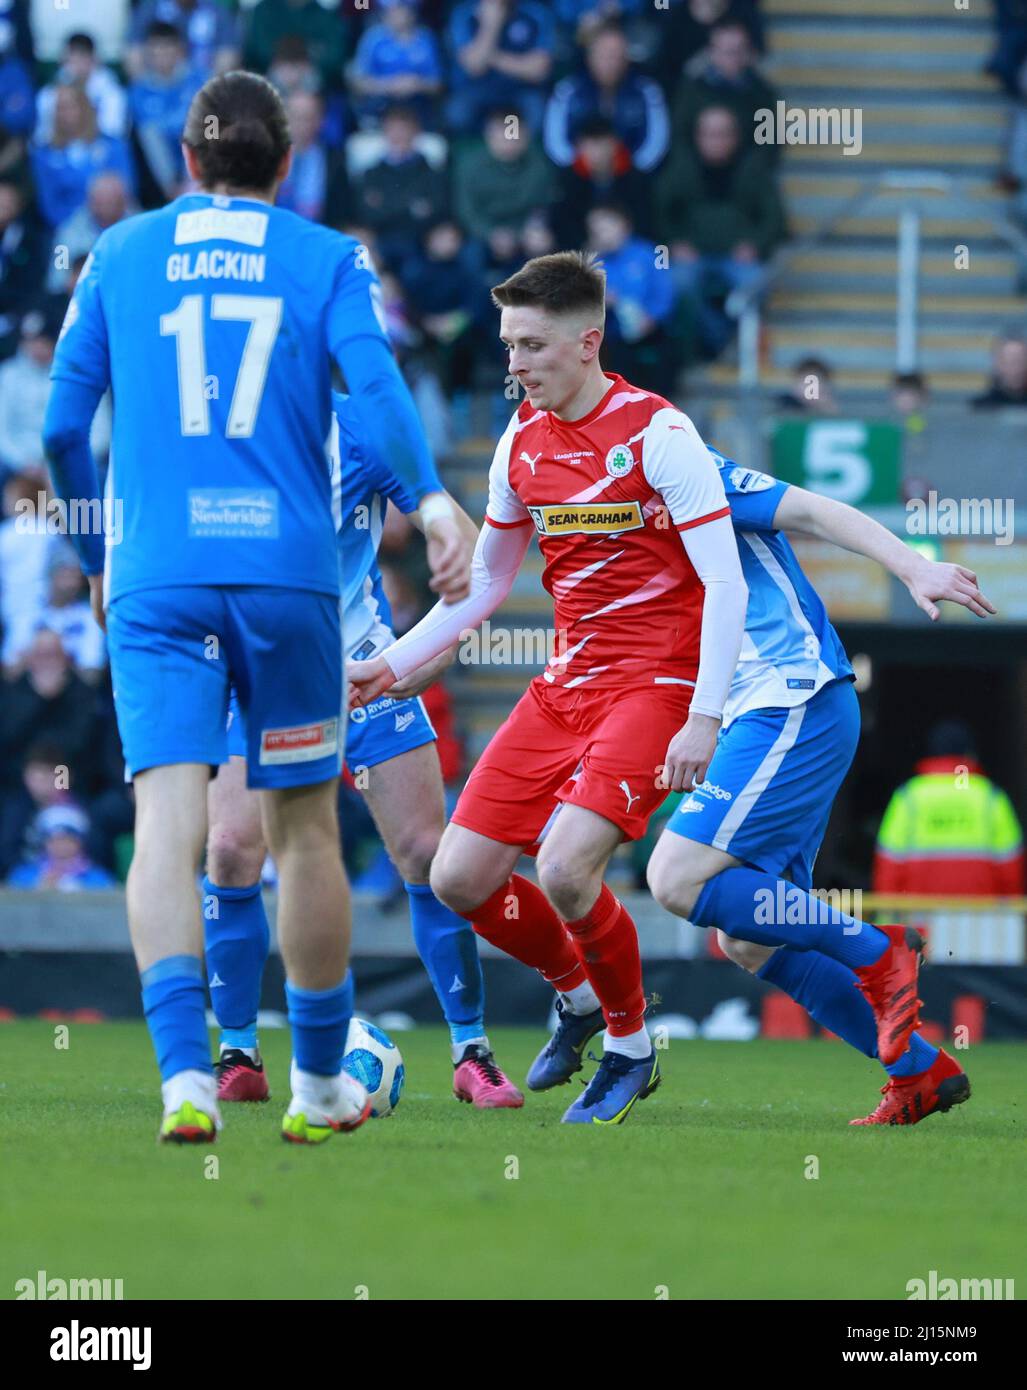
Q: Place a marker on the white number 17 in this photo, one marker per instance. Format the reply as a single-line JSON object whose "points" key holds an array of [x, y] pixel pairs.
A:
{"points": [[185, 325]]}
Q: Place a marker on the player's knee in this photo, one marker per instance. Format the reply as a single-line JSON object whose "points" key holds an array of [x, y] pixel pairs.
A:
{"points": [[413, 853], [454, 886], [569, 888], [748, 954], [672, 888], [233, 860]]}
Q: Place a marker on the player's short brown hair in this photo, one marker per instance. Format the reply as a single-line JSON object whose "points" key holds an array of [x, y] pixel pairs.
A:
{"points": [[566, 282]]}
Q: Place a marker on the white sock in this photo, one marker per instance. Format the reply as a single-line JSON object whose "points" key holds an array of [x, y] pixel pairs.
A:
{"points": [[581, 999], [458, 1049], [197, 1087], [253, 1053], [322, 1091], [638, 1045]]}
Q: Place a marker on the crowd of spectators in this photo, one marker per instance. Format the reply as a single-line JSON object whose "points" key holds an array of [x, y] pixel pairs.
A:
{"points": [[454, 140]]}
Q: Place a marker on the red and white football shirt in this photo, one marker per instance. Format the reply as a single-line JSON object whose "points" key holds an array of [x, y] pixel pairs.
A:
{"points": [[608, 495]]}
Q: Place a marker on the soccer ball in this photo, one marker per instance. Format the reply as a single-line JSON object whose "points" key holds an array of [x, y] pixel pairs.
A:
{"points": [[374, 1059]]}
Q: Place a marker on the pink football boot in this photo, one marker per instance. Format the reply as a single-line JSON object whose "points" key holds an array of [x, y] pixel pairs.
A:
{"points": [[479, 1081], [240, 1077]]}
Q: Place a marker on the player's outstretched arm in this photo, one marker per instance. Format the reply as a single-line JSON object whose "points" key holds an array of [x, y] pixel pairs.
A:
{"points": [[928, 581], [497, 558]]}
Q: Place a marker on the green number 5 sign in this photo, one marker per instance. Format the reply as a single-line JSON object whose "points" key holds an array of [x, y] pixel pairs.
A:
{"points": [[854, 461]]}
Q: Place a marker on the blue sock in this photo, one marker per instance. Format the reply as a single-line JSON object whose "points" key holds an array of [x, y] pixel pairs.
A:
{"points": [[319, 1019], [237, 940], [176, 1015], [449, 951], [918, 1057], [826, 989], [756, 906]]}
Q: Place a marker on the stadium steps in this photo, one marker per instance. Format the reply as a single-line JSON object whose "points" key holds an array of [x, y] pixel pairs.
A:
{"points": [[915, 69]]}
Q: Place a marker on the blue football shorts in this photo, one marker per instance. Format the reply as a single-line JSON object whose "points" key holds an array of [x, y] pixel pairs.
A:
{"points": [[769, 790], [374, 733], [176, 652]]}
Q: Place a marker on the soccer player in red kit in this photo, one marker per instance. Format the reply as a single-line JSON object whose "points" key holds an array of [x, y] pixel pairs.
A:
{"points": [[642, 564]]}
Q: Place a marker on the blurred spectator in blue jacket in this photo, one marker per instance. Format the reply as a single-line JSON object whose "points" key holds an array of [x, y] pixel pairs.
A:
{"points": [[61, 862], [632, 103], [65, 165], [397, 59], [159, 99], [503, 55], [17, 94], [16, 30], [305, 189], [211, 32], [639, 299], [107, 202], [80, 67]]}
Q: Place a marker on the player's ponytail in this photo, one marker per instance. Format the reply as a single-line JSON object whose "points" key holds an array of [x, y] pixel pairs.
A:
{"points": [[238, 130]]}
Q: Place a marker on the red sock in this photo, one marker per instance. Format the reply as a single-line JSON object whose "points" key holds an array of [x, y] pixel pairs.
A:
{"points": [[606, 943], [520, 920]]}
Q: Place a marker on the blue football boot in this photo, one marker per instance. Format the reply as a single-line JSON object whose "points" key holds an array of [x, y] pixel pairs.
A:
{"points": [[561, 1056], [617, 1084]]}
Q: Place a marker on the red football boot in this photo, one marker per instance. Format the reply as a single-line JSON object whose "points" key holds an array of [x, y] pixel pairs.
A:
{"points": [[240, 1077], [910, 1099], [890, 988]]}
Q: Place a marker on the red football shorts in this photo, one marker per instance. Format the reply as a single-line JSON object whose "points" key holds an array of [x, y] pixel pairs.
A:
{"points": [[601, 749]]}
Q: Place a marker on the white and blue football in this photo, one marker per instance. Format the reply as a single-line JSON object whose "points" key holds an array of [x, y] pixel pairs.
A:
{"points": [[374, 1059]]}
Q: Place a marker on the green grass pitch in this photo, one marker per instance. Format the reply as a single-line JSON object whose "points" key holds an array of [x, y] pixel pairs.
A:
{"points": [[702, 1193]]}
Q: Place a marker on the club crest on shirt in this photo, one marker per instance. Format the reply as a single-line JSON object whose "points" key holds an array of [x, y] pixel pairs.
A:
{"points": [[619, 461], [748, 480]]}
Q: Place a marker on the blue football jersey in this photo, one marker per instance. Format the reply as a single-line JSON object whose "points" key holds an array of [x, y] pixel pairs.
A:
{"points": [[215, 320], [789, 650], [362, 485]]}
